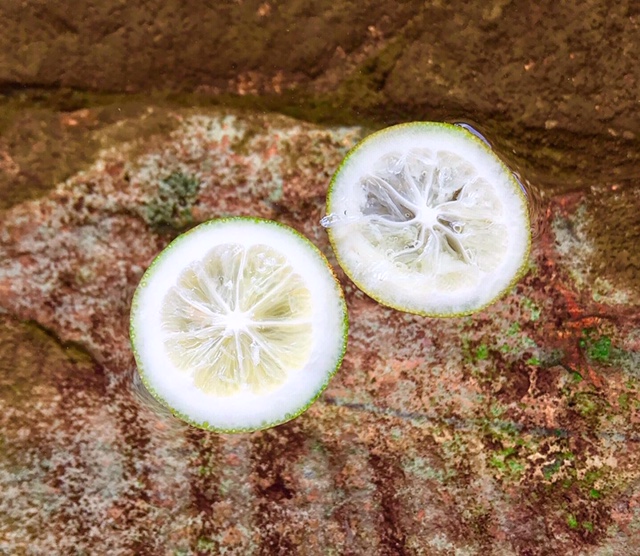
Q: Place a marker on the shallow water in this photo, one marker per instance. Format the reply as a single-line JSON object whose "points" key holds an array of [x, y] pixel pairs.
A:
{"points": [[534, 192], [511, 431]]}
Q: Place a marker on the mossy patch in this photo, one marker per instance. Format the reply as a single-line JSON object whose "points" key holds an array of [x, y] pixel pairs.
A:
{"points": [[171, 207], [506, 461], [596, 348], [533, 310], [482, 352]]}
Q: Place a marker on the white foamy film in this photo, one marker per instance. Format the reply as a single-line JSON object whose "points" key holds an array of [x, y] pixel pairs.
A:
{"points": [[245, 409], [425, 218]]}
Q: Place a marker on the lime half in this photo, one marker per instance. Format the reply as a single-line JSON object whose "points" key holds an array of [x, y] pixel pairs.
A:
{"points": [[238, 325], [425, 218]]}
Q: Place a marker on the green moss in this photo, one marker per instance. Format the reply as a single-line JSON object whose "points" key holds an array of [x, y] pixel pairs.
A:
{"points": [[596, 348], [592, 476], [507, 462], [171, 207], [600, 350], [513, 329], [572, 521], [623, 401], [505, 432], [587, 404], [515, 466], [497, 462], [473, 354], [576, 377], [482, 352], [208, 546], [549, 471]]}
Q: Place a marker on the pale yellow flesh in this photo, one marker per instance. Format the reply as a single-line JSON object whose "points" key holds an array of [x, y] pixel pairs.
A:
{"points": [[239, 318]]}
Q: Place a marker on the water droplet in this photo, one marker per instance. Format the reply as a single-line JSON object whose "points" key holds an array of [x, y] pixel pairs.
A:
{"points": [[329, 220]]}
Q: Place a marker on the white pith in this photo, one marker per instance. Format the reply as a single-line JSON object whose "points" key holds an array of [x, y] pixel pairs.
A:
{"points": [[423, 217], [170, 317]]}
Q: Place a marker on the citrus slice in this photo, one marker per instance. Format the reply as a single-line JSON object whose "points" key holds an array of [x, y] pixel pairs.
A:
{"points": [[238, 325], [425, 218]]}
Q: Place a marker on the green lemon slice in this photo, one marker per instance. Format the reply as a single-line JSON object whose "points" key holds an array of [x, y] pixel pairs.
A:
{"points": [[238, 325], [425, 218]]}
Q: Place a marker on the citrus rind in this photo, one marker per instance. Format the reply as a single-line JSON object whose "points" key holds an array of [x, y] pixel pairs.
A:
{"points": [[424, 217], [243, 409]]}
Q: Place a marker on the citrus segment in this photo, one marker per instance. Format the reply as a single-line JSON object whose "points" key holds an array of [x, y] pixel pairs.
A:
{"points": [[239, 317], [238, 324], [425, 218]]}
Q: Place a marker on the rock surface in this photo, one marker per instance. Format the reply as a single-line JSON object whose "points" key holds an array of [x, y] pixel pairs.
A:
{"points": [[571, 65], [514, 431]]}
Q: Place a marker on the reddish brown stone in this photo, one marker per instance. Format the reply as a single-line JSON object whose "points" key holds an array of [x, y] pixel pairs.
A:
{"points": [[513, 431]]}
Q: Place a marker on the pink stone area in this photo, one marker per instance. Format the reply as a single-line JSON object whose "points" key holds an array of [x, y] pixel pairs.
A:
{"points": [[512, 431]]}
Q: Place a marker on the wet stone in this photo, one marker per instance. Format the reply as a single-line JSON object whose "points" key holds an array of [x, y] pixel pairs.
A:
{"points": [[512, 431]]}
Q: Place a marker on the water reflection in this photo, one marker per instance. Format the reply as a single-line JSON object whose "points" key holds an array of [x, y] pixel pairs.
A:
{"points": [[533, 191], [144, 399]]}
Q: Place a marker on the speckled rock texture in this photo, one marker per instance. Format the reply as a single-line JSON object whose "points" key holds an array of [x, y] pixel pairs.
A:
{"points": [[515, 431]]}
